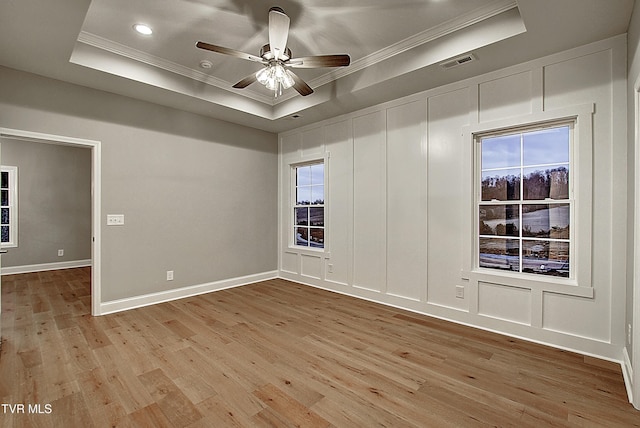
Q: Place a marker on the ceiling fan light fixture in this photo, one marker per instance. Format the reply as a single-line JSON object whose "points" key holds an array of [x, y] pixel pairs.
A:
{"points": [[275, 77], [143, 29]]}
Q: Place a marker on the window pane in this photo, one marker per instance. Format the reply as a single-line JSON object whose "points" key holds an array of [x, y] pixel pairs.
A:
{"points": [[4, 233], [4, 183], [501, 152], [309, 218], [546, 258], [316, 216], [317, 237], [317, 195], [4, 216], [503, 220], [303, 195], [503, 185], [302, 216], [317, 174], [551, 183], [4, 198], [496, 253], [546, 146], [546, 221], [303, 176], [302, 236]]}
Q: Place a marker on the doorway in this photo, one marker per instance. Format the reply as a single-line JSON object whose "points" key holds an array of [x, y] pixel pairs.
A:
{"points": [[95, 148]]}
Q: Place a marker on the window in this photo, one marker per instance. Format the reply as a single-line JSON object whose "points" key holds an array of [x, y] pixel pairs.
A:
{"points": [[9, 206], [308, 210], [524, 200]]}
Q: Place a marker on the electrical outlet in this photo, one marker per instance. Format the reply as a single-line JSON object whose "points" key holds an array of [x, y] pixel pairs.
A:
{"points": [[330, 268], [60, 253], [169, 275], [460, 291], [115, 219]]}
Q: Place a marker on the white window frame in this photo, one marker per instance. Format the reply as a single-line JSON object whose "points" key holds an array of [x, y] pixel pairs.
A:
{"points": [[293, 204], [521, 202], [13, 206], [581, 168]]}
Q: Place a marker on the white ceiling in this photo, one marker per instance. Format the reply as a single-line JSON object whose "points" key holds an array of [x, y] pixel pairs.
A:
{"points": [[396, 47]]}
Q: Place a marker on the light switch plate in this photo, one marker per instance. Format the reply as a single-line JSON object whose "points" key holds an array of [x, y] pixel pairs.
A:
{"points": [[115, 219]]}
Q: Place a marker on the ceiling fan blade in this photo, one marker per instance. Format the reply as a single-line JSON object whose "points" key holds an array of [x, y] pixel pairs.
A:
{"points": [[278, 31], [228, 51], [300, 85], [246, 81], [320, 61]]}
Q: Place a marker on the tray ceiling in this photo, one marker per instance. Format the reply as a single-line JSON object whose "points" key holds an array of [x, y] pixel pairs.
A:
{"points": [[396, 48]]}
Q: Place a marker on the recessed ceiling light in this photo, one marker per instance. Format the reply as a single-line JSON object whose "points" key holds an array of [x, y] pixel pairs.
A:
{"points": [[143, 29]]}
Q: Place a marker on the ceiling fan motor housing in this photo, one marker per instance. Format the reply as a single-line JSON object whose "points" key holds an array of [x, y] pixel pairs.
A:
{"points": [[265, 53]]}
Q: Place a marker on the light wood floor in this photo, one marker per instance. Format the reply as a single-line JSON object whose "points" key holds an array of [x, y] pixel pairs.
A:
{"points": [[278, 354]]}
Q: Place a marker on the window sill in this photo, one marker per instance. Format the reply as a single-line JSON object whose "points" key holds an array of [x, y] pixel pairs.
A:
{"points": [[566, 286], [317, 252]]}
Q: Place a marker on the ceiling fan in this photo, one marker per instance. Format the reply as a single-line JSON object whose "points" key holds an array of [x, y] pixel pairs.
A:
{"points": [[277, 60]]}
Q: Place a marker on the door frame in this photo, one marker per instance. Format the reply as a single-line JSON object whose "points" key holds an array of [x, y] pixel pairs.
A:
{"points": [[635, 324], [96, 176]]}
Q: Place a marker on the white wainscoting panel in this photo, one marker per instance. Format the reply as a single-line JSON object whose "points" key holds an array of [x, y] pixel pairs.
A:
{"points": [[505, 303], [290, 262], [578, 316], [312, 143], [448, 113], [311, 266], [369, 201], [504, 97], [339, 210], [406, 200]]}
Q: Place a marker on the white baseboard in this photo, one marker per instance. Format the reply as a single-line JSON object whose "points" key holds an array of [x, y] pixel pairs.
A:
{"points": [[12, 270], [181, 293], [627, 373]]}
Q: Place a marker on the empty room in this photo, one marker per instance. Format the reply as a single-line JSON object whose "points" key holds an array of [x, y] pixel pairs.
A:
{"points": [[295, 213]]}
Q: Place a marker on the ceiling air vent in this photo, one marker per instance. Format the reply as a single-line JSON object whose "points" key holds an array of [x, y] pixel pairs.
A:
{"points": [[455, 62]]}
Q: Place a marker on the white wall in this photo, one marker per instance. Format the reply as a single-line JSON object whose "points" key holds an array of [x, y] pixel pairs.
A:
{"points": [[632, 360], [399, 202]]}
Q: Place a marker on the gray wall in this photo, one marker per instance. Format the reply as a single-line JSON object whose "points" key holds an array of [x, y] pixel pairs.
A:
{"points": [[54, 202], [199, 195]]}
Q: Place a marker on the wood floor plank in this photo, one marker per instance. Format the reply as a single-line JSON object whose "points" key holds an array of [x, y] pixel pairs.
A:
{"points": [[289, 408], [126, 388], [99, 398], [218, 414], [281, 354], [149, 416]]}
